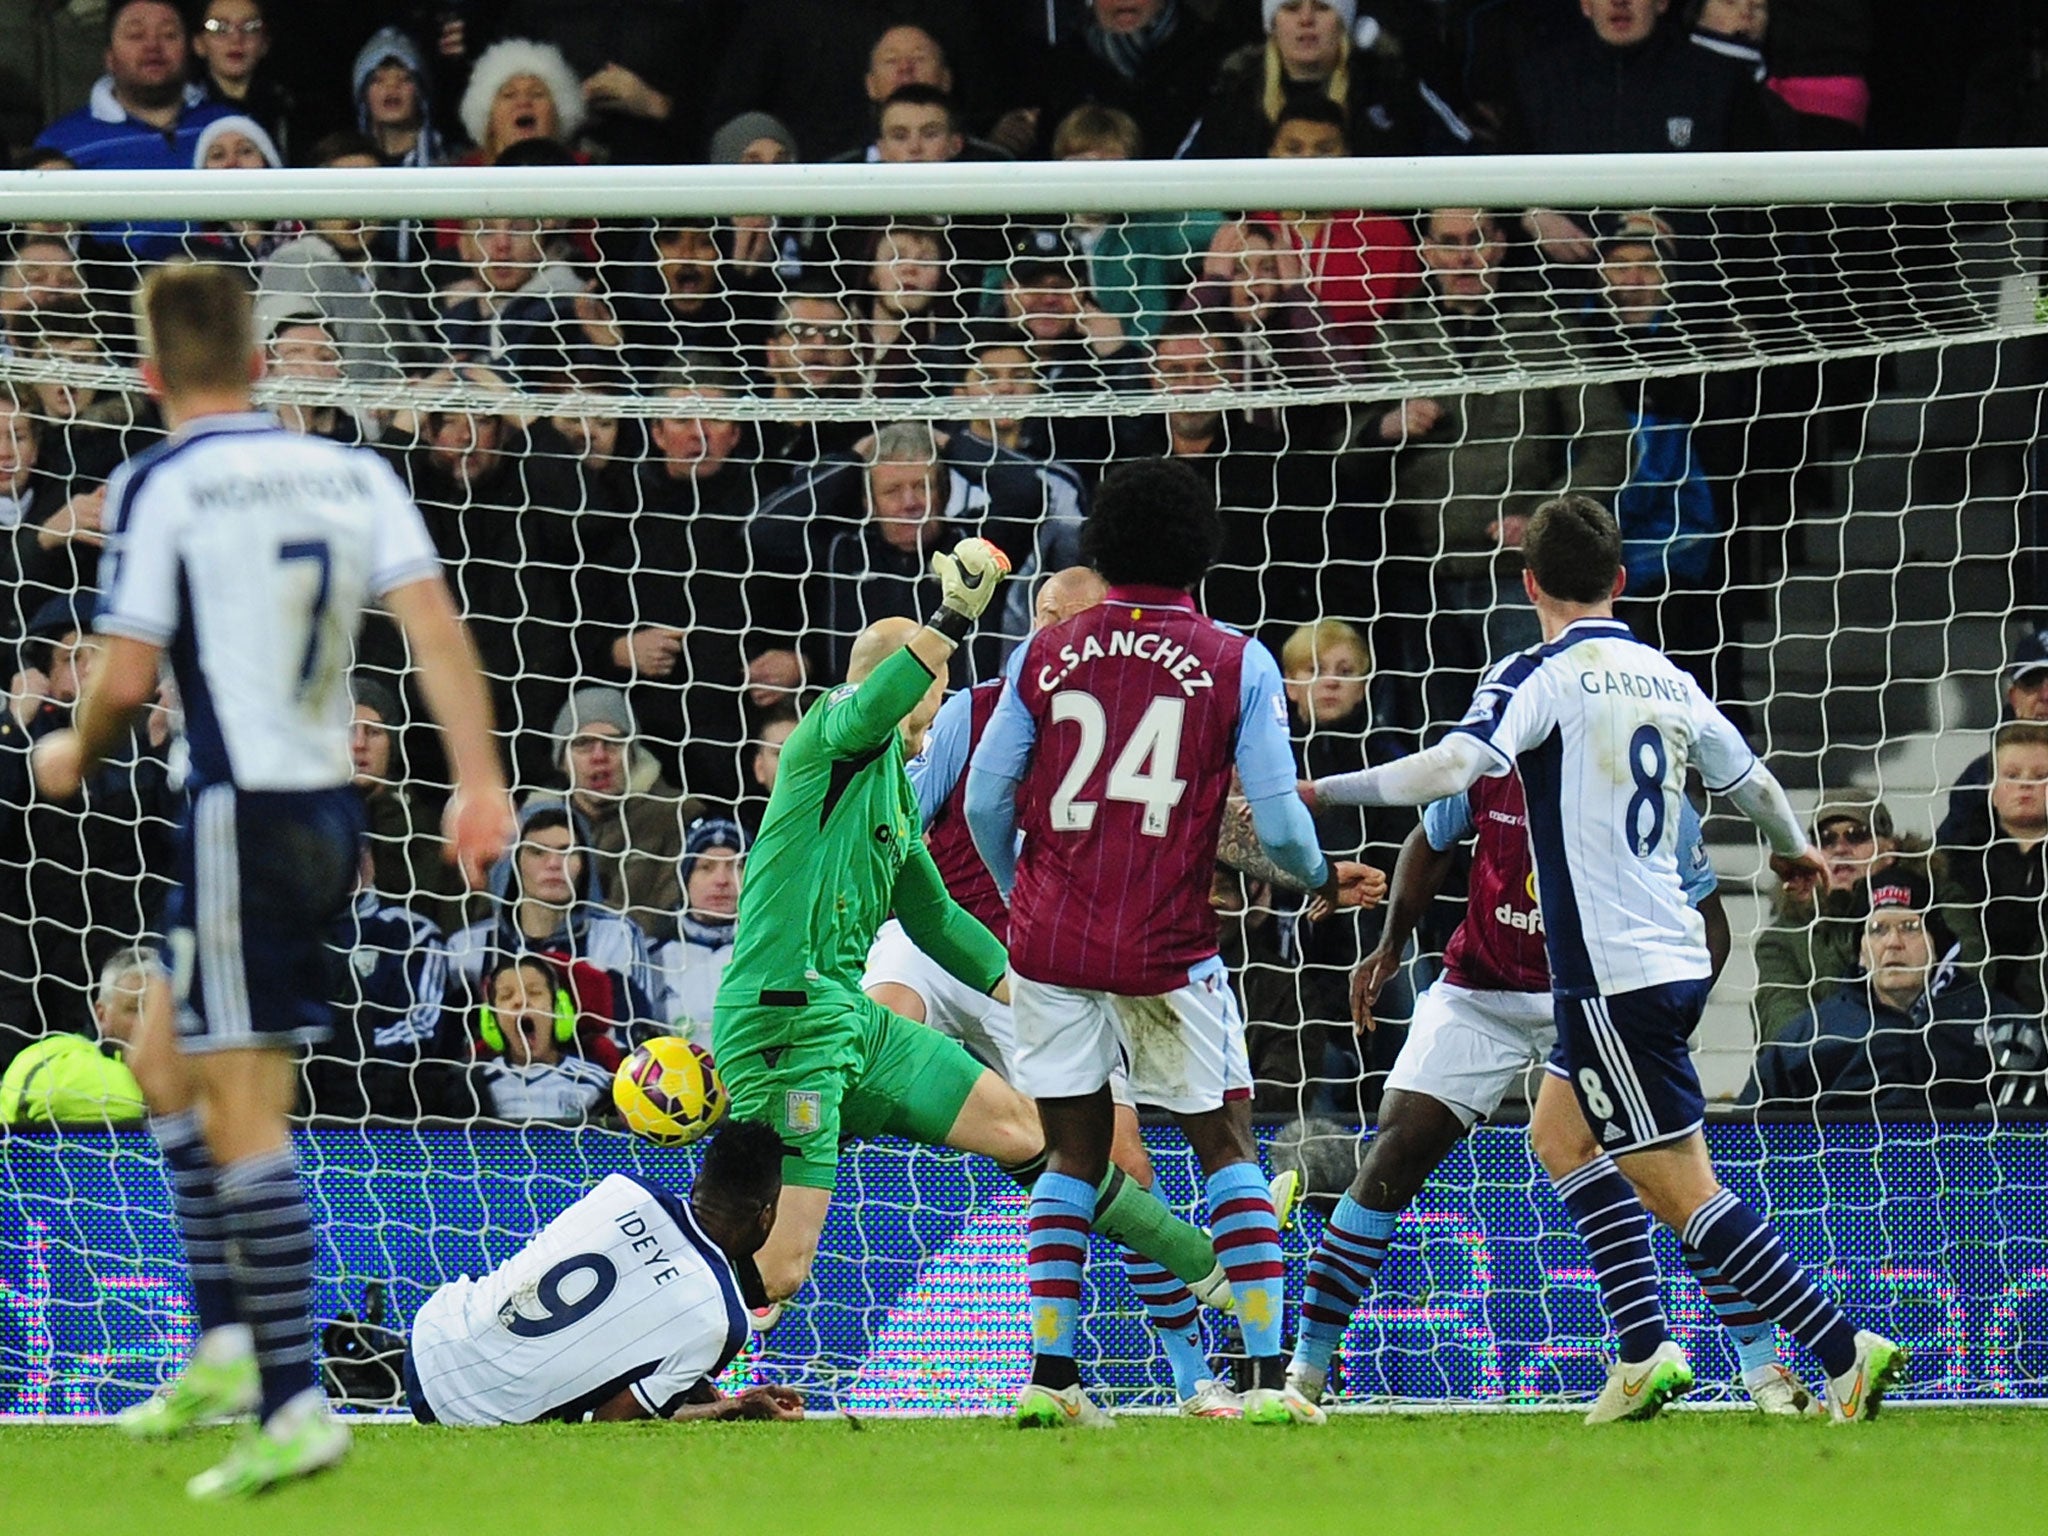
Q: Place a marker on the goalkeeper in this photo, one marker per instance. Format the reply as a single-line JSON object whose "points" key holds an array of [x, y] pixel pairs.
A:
{"points": [[798, 1043]]}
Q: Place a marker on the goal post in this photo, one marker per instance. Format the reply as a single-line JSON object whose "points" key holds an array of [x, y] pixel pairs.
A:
{"points": [[667, 426]]}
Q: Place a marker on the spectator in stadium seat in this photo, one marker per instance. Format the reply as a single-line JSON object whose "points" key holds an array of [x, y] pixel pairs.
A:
{"points": [[518, 308], [1461, 476], [691, 297], [865, 525], [1966, 828], [764, 759], [1909, 1032], [916, 118], [714, 857], [760, 244], [403, 825], [394, 100], [75, 1079], [1329, 678], [1809, 949], [801, 60], [544, 900], [1137, 266], [1151, 62], [236, 143], [297, 346], [79, 879], [1351, 267], [637, 62], [1997, 894], [529, 1070], [143, 116], [685, 650], [1670, 518], [1276, 505], [518, 90], [24, 495], [1628, 83], [42, 273], [386, 1055], [634, 815], [1313, 50], [371, 306], [1076, 346], [809, 356], [231, 45], [999, 365], [504, 522], [906, 312]]}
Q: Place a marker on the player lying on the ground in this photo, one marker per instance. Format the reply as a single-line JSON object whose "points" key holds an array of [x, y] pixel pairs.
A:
{"points": [[797, 1042], [628, 1305], [903, 979], [245, 555], [1113, 744], [1477, 1029], [1602, 730]]}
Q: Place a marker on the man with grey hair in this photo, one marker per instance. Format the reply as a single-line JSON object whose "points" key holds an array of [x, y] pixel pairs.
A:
{"points": [[864, 525], [635, 816]]}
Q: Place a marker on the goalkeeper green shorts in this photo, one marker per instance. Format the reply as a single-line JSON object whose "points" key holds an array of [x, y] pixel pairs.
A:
{"points": [[839, 1065]]}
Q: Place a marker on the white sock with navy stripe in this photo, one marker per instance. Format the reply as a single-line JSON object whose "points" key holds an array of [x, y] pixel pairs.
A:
{"points": [[1744, 1248], [270, 1231]]}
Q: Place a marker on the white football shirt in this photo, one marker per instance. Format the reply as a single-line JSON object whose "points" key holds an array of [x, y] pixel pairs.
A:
{"points": [[249, 553], [622, 1290], [1603, 728]]}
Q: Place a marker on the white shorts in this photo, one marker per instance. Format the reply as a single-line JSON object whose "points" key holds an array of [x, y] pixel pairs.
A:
{"points": [[1184, 1050], [987, 1028], [1466, 1049]]}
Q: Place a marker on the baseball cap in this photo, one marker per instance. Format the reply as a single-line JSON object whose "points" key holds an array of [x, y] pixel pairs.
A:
{"points": [[2029, 654], [1858, 805], [1041, 250]]}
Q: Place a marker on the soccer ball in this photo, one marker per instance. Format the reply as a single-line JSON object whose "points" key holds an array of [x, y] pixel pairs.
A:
{"points": [[669, 1092]]}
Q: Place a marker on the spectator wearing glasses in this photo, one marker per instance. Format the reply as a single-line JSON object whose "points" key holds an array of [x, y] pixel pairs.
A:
{"points": [[144, 115], [230, 46], [1909, 1032], [1810, 947]]}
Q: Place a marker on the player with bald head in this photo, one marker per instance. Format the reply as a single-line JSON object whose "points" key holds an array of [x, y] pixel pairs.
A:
{"points": [[798, 1043]]}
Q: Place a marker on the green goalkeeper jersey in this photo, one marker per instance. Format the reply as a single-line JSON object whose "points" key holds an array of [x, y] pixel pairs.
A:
{"points": [[840, 849]]}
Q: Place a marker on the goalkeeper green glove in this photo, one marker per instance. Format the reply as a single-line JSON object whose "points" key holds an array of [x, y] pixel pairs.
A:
{"points": [[967, 585]]}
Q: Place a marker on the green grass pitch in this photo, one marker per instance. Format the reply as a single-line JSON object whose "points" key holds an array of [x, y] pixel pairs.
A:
{"points": [[1925, 1472]]}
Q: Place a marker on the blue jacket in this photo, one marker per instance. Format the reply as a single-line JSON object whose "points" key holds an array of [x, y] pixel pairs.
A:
{"points": [[1958, 1048], [397, 980], [101, 136]]}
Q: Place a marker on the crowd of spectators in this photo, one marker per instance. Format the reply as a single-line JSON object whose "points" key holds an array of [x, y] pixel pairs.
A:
{"points": [[655, 592]]}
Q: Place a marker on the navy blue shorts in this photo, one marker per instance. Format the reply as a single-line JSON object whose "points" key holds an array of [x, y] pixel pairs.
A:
{"points": [[263, 876], [1629, 1061]]}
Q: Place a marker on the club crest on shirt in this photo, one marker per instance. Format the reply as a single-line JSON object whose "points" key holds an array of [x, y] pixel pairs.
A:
{"points": [[1679, 131], [803, 1112]]}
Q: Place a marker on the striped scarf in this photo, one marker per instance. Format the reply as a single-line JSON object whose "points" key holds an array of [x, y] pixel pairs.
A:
{"points": [[1126, 52]]}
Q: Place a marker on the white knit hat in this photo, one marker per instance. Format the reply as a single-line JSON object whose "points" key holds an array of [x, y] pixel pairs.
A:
{"points": [[247, 127], [523, 56], [1347, 11]]}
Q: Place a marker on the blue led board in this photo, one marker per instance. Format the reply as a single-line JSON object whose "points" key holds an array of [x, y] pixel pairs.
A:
{"points": [[1937, 1235]]}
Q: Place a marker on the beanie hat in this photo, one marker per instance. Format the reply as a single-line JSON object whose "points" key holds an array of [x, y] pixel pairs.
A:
{"points": [[704, 834], [728, 143], [1347, 11], [590, 706], [522, 56], [375, 693], [247, 127]]}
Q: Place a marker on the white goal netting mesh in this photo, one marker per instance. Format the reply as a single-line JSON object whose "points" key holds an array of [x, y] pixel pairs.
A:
{"points": [[676, 463]]}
